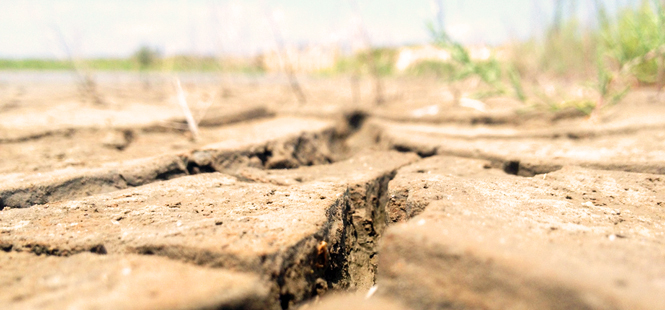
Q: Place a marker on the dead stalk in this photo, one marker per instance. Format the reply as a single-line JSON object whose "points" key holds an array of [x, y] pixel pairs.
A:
{"points": [[182, 101], [86, 82], [282, 52], [371, 61]]}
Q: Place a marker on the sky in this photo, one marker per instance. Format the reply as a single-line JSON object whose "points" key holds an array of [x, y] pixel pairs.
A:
{"points": [[117, 28]]}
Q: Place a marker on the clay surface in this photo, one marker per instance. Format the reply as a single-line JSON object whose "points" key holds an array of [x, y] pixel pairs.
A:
{"points": [[336, 203], [626, 148], [574, 238], [90, 281], [281, 142], [318, 234]]}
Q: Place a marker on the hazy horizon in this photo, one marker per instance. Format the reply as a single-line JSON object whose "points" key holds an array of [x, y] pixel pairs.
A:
{"points": [[37, 28]]}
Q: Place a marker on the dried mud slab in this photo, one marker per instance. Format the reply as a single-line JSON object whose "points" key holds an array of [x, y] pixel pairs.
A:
{"points": [[366, 214], [284, 142], [275, 143], [517, 153], [89, 281], [229, 114], [89, 146], [418, 184], [572, 239], [40, 121], [304, 238], [66, 118]]}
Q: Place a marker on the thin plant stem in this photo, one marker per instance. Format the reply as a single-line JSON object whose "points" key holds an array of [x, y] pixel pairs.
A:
{"points": [[182, 101], [86, 82], [288, 66], [371, 61]]}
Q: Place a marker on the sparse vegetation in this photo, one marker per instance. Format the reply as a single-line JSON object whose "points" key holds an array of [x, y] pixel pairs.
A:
{"points": [[176, 63], [606, 59], [35, 64], [384, 58], [463, 66], [621, 52]]}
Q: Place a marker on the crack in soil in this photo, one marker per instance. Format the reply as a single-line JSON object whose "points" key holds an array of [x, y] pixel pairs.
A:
{"points": [[305, 149], [341, 255]]}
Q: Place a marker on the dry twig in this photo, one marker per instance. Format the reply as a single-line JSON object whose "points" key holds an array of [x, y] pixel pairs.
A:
{"points": [[182, 101], [282, 52], [86, 82]]}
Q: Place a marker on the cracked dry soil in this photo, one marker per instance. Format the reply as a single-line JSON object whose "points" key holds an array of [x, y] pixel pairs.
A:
{"points": [[313, 207]]}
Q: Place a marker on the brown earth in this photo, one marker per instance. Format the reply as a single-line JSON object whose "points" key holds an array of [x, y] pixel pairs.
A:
{"points": [[419, 203]]}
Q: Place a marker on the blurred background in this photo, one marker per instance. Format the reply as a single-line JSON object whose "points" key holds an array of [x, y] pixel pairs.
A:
{"points": [[116, 29], [517, 48]]}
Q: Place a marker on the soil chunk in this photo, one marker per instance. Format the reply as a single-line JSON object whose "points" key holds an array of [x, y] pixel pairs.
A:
{"points": [[262, 143], [89, 281], [575, 238], [634, 149], [431, 200], [304, 239]]}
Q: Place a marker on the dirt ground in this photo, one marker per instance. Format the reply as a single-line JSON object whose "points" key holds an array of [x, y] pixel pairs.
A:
{"points": [[417, 203]]}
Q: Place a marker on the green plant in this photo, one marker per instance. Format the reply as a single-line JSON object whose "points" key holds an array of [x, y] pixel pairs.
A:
{"points": [[609, 85], [632, 46], [489, 71], [634, 39], [621, 51], [660, 74], [462, 66]]}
